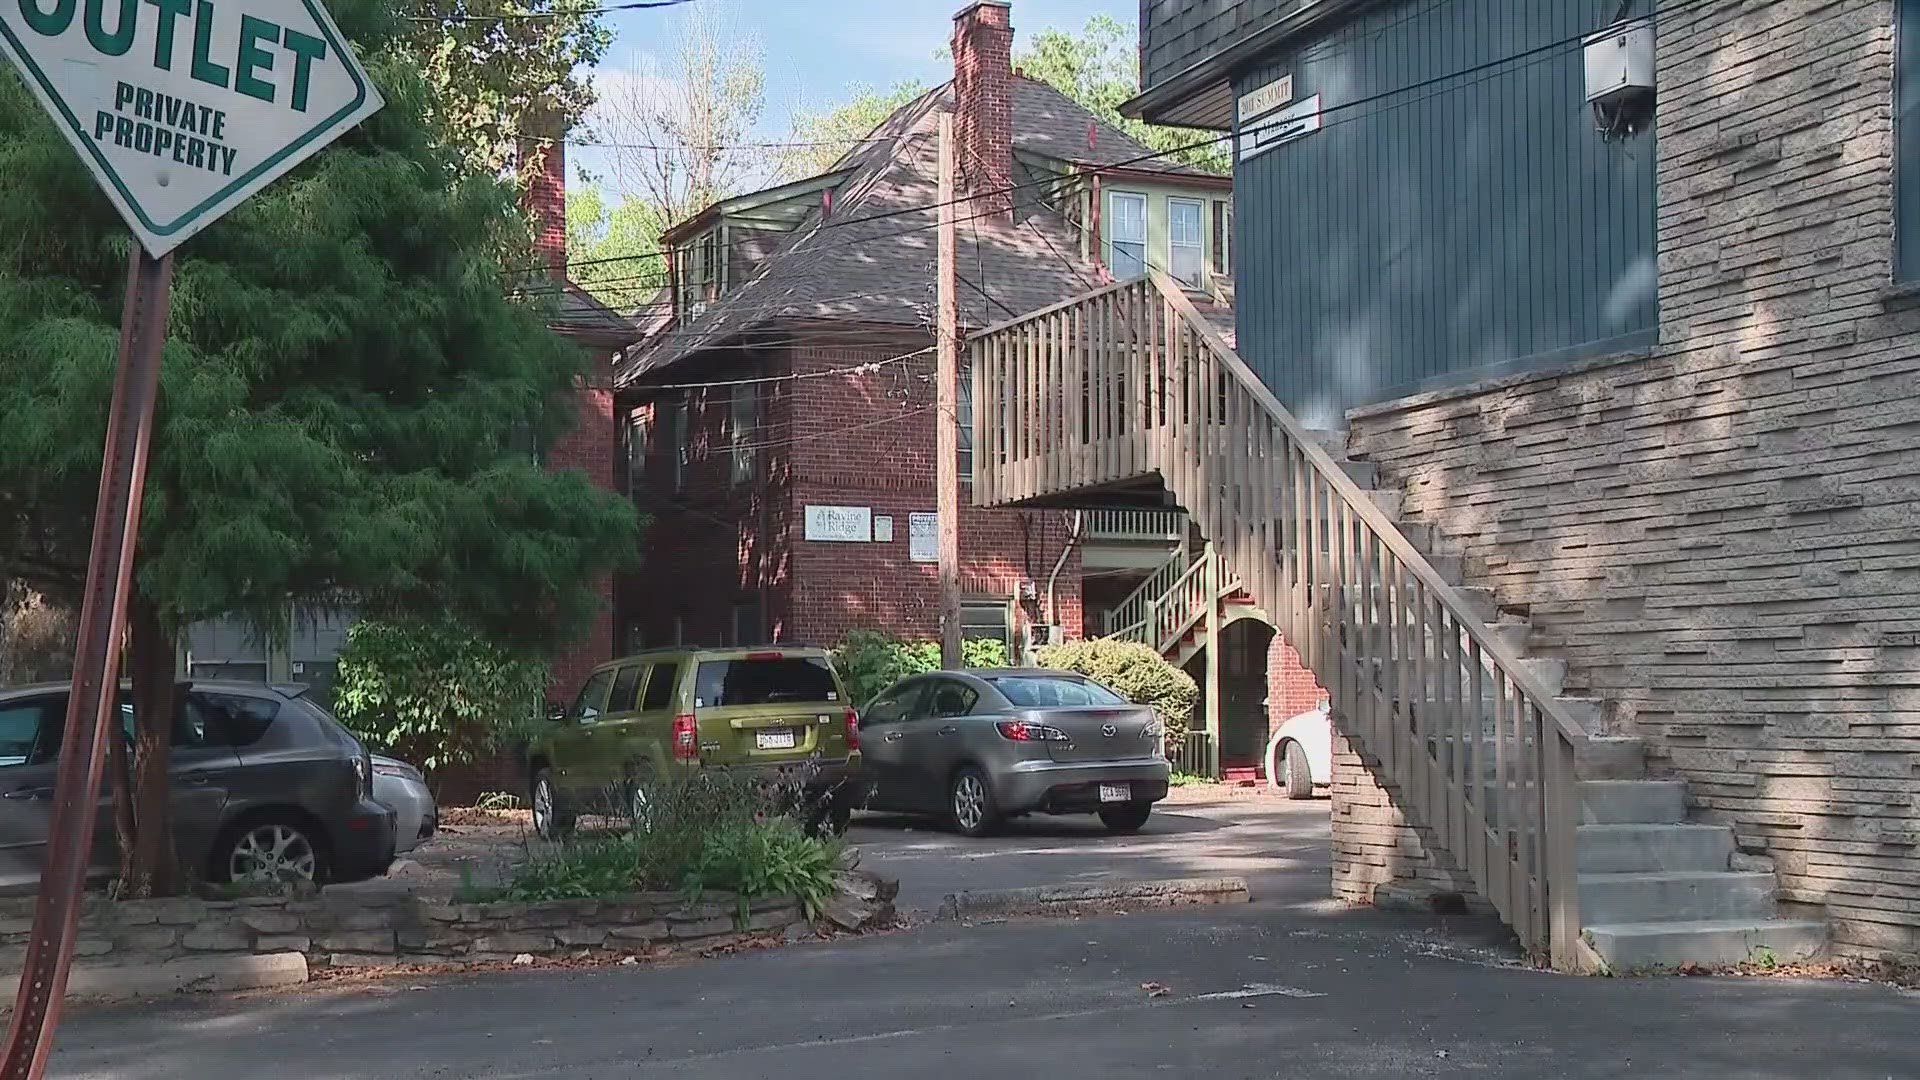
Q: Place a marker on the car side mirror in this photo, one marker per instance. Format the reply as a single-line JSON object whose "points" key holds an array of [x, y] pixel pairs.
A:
{"points": [[556, 713]]}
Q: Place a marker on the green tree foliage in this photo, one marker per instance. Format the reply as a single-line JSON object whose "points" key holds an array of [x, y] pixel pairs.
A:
{"points": [[341, 390], [614, 248], [1135, 672], [433, 692], [872, 660], [822, 138], [1099, 68], [492, 77]]}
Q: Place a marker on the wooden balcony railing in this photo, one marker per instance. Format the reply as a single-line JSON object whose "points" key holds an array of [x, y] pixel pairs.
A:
{"points": [[1149, 526], [1130, 382]]}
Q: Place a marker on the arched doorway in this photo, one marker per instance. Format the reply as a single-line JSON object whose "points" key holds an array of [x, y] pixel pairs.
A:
{"points": [[1245, 645]]}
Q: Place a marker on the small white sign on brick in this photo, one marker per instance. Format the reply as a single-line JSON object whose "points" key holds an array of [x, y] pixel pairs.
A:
{"points": [[840, 524], [923, 537]]}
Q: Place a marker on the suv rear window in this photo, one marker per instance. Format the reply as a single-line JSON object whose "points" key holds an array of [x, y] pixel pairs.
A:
{"points": [[764, 682], [1046, 691]]}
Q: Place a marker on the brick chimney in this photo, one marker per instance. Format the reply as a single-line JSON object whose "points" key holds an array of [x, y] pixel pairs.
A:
{"points": [[983, 100], [543, 163]]}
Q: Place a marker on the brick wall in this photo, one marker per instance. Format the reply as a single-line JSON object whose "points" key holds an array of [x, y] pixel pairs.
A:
{"points": [[983, 95], [1291, 688], [858, 439], [1720, 537], [590, 446], [867, 440], [712, 543]]}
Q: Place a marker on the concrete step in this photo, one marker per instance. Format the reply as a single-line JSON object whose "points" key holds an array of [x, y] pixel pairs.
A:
{"points": [[1633, 802], [1604, 757], [1655, 946], [1512, 631], [1645, 849], [1675, 896], [1364, 473], [1388, 500], [1333, 442]]}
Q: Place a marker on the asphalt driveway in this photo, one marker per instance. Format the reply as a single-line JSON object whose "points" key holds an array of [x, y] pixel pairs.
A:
{"points": [[1280, 847], [1261, 990]]}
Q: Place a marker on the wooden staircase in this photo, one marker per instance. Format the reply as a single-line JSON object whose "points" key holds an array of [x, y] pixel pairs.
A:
{"points": [[1128, 390]]}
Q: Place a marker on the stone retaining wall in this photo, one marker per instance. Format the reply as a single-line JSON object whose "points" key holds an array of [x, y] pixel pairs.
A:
{"points": [[359, 931]]}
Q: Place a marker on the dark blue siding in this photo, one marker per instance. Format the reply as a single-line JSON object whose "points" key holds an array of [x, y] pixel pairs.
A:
{"points": [[1448, 232], [1177, 34]]}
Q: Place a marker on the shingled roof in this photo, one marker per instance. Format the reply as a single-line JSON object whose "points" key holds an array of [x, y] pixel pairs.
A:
{"points": [[871, 258], [1046, 121]]}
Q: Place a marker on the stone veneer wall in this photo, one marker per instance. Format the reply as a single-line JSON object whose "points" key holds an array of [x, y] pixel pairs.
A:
{"points": [[1379, 857], [363, 931], [1722, 537]]}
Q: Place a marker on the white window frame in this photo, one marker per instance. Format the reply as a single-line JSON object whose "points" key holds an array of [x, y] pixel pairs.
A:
{"points": [[742, 425], [1199, 246], [963, 445], [1113, 239], [1221, 260]]}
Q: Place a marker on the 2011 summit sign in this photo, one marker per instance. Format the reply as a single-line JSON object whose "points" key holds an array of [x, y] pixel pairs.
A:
{"points": [[183, 108]]}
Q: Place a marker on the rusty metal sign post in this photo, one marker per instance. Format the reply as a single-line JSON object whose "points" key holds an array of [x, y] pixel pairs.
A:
{"points": [[176, 135], [94, 703]]}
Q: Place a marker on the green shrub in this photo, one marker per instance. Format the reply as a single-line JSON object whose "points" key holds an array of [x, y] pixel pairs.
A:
{"points": [[1135, 672], [872, 660], [435, 693], [701, 830], [774, 857]]}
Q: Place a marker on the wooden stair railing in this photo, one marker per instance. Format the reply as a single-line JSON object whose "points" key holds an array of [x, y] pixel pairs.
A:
{"points": [[1130, 382]]}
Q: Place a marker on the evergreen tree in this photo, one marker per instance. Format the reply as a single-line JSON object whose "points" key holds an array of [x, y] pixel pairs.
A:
{"points": [[343, 389]]}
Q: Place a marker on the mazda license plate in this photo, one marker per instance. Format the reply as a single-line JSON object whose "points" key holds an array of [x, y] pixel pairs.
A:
{"points": [[1115, 793], [774, 739]]}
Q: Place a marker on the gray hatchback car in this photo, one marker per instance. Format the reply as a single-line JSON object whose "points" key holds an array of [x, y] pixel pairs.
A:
{"points": [[979, 746], [266, 786]]}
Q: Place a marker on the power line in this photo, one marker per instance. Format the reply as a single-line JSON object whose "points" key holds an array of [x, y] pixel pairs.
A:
{"points": [[524, 16], [791, 145], [867, 368]]}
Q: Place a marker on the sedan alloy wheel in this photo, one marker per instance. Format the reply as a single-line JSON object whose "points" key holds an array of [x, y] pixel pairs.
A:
{"points": [[274, 851]]}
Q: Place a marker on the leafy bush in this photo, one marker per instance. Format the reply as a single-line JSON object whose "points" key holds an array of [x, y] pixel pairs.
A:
{"points": [[435, 693], [1135, 672], [707, 829], [774, 857], [872, 660]]}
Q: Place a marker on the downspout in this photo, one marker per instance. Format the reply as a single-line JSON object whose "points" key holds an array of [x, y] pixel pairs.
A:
{"points": [[1093, 234], [1073, 540]]}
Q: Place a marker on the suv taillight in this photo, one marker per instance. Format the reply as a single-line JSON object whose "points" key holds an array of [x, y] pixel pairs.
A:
{"points": [[686, 737], [853, 729]]}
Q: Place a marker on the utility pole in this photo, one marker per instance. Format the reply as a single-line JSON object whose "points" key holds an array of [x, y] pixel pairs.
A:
{"points": [[946, 468]]}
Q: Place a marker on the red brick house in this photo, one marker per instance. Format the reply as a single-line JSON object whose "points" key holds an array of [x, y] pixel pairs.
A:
{"points": [[779, 428]]}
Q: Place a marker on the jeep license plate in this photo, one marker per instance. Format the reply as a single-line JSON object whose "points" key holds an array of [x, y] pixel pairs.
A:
{"points": [[774, 739], [1115, 793]]}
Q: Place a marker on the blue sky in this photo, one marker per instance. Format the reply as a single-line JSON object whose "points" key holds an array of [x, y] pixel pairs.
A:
{"points": [[816, 51]]}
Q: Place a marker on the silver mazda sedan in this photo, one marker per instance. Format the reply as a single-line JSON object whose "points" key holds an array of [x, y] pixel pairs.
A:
{"points": [[979, 746]]}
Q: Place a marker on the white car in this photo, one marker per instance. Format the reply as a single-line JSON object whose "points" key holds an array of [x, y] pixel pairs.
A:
{"points": [[1300, 754]]}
